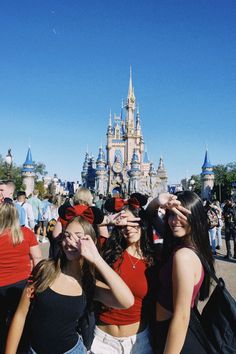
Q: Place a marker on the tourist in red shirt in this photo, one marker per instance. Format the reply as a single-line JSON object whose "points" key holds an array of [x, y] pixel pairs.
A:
{"points": [[17, 246], [129, 251]]}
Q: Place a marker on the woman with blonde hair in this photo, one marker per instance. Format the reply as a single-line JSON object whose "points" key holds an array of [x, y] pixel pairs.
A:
{"points": [[18, 245], [65, 287], [83, 196]]}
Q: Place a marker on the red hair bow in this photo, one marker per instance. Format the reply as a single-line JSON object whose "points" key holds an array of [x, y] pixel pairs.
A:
{"points": [[80, 210], [120, 203]]}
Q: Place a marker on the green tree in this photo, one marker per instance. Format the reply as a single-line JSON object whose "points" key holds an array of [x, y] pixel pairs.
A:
{"points": [[40, 169], [225, 175], [39, 185]]}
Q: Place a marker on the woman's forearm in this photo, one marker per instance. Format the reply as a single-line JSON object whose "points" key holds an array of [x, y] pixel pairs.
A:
{"points": [[15, 332], [176, 334]]}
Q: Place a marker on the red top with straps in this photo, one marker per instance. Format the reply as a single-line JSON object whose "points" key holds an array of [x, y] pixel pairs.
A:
{"points": [[133, 271]]}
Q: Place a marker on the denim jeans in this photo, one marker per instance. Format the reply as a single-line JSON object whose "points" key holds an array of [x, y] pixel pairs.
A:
{"points": [[212, 234], [79, 348]]}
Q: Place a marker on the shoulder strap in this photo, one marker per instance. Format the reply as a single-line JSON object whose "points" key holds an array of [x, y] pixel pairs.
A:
{"points": [[219, 281]]}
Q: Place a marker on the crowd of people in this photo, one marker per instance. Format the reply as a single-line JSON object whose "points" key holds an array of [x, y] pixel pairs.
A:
{"points": [[107, 286]]}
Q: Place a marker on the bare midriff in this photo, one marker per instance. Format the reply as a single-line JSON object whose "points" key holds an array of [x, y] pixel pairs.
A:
{"points": [[122, 330], [162, 314]]}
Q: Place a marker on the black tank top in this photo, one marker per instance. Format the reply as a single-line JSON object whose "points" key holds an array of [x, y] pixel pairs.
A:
{"points": [[53, 321]]}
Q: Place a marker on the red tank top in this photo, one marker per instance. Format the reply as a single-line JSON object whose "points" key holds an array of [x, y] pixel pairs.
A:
{"points": [[133, 272]]}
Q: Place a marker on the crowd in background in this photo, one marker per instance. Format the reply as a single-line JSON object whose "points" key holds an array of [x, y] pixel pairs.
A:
{"points": [[122, 275]]}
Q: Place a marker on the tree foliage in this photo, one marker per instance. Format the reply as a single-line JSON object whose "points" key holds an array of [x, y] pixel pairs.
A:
{"points": [[225, 175]]}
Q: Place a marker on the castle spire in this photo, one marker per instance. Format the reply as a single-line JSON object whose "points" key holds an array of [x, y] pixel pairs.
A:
{"points": [[28, 173]]}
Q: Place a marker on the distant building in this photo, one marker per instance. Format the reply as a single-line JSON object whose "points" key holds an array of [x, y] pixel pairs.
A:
{"points": [[207, 178], [28, 173], [126, 167]]}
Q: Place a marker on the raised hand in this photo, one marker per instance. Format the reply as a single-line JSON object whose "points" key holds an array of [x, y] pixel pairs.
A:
{"points": [[88, 249], [169, 201], [122, 219]]}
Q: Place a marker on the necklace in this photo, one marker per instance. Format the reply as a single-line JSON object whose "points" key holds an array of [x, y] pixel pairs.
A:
{"points": [[133, 264]]}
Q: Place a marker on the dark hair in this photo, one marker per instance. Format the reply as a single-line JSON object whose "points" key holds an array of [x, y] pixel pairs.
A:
{"points": [[197, 239], [116, 243]]}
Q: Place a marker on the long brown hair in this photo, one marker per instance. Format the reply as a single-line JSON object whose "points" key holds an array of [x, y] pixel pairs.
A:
{"points": [[46, 271], [9, 220]]}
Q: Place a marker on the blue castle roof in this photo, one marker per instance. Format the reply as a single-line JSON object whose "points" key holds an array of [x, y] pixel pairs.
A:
{"points": [[207, 167], [207, 163], [28, 165], [145, 157]]}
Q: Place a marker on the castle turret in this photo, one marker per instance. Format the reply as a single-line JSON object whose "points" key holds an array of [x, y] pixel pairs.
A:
{"points": [[101, 173], [28, 173], [130, 107], [207, 178], [162, 174], [84, 172], [134, 173]]}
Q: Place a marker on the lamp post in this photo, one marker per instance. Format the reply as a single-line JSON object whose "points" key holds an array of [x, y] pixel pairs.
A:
{"points": [[8, 161], [191, 184]]}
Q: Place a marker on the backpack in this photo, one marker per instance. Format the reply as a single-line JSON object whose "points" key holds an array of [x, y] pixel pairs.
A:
{"points": [[218, 318], [21, 213], [213, 219]]}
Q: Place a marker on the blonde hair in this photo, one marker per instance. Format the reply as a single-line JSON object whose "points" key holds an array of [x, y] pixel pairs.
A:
{"points": [[9, 219], [83, 196]]}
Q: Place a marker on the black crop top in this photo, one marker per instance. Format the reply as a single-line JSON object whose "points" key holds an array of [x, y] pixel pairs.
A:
{"points": [[54, 320]]}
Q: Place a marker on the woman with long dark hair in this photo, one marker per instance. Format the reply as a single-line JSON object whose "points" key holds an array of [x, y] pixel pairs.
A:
{"points": [[182, 278], [129, 252], [64, 287]]}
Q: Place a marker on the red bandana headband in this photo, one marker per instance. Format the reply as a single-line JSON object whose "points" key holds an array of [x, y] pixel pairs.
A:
{"points": [[80, 210]]}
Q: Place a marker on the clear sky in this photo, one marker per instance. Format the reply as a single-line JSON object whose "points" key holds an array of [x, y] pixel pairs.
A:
{"points": [[65, 63]]}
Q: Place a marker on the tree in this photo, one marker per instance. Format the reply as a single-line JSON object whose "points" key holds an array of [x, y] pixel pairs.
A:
{"points": [[225, 175], [40, 169]]}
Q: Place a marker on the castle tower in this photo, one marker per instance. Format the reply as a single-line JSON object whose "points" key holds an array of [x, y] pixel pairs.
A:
{"points": [[162, 174], [134, 173], [207, 178], [127, 165], [84, 172], [28, 173], [101, 173]]}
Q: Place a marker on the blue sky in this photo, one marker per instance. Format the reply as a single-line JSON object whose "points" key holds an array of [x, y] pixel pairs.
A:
{"points": [[64, 64]]}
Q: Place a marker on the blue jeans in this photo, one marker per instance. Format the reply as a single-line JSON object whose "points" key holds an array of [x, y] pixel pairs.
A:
{"points": [[79, 348], [212, 234]]}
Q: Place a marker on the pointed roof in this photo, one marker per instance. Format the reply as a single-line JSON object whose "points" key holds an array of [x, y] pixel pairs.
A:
{"points": [[207, 163], [131, 88], [145, 157], [130, 91], [29, 160], [28, 165], [161, 164]]}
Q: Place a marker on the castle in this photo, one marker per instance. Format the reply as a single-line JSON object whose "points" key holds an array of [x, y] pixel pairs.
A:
{"points": [[125, 168]]}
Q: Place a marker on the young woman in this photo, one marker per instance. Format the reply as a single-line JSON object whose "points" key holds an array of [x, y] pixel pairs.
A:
{"points": [[129, 251], [182, 279], [64, 288], [18, 245]]}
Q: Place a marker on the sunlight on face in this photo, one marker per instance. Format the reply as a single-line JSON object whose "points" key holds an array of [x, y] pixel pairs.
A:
{"points": [[71, 245], [131, 233], [178, 225]]}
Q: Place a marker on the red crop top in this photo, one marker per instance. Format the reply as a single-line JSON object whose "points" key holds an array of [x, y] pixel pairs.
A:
{"points": [[164, 289], [136, 279]]}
